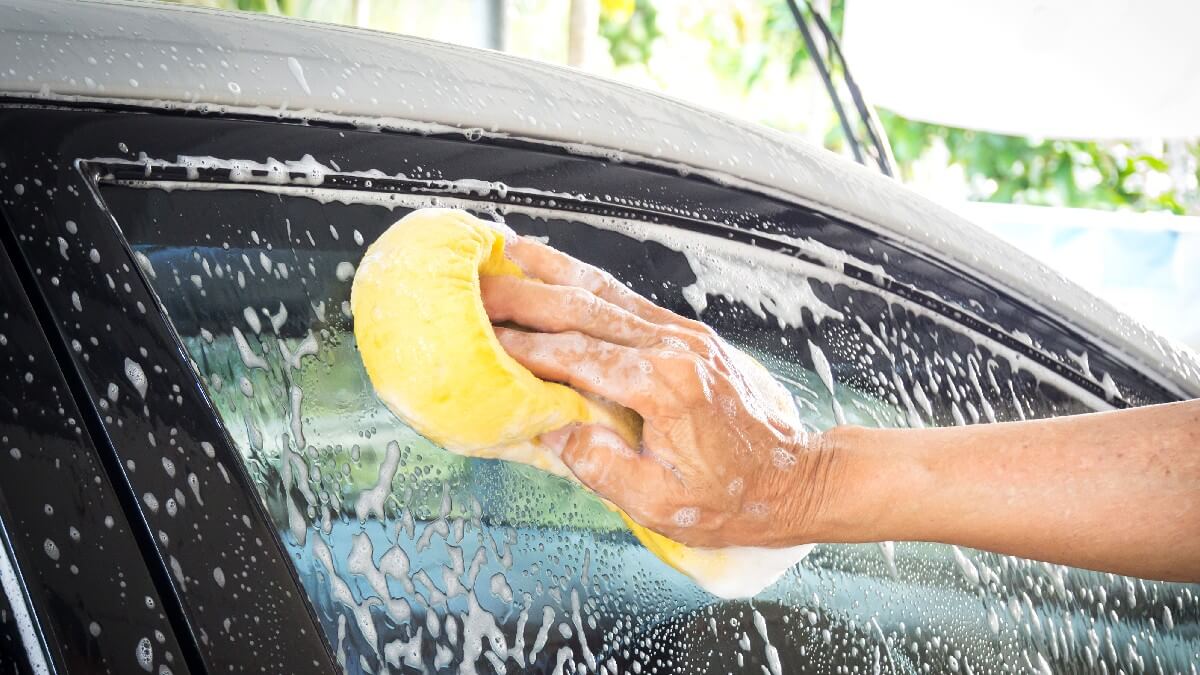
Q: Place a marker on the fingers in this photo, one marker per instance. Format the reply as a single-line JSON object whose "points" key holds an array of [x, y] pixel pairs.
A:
{"points": [[613, 371], [555, 267], [558, 309]]}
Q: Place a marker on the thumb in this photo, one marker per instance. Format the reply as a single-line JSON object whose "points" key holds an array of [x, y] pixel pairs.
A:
{"points": [[604, 462]]}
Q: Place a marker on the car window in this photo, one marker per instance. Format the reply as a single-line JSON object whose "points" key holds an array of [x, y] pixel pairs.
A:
{"points": [[416, 557]]}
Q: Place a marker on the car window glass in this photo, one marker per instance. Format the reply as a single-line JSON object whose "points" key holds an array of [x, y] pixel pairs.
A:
{"points": [[416, 557]]}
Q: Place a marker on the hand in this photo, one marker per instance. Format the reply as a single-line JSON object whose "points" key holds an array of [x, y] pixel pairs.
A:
{"points": [[724, 459]]}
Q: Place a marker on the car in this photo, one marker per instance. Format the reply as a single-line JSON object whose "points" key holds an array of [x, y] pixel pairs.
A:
{"points": [[197, 477]]}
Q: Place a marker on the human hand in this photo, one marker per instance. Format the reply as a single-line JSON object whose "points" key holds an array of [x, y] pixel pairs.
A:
{"points": [[724, 459]]}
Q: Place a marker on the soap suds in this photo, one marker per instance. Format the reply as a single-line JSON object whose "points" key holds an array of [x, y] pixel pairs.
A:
{"points": [[687, 516], [370, 502], [136, 376], [298, 73], [821, 365]]}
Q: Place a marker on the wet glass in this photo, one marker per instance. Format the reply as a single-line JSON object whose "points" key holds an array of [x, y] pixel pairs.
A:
{"points": [[413, 556]]}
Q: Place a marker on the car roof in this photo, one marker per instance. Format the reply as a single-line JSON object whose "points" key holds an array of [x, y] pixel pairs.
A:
{"points": [[171, 56]]}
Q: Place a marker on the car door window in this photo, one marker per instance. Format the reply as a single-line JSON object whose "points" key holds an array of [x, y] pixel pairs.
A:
{"points": [[413, 556]]}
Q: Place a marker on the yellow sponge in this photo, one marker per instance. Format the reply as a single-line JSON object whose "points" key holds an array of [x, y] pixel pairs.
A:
{"points": [[434, 360]]}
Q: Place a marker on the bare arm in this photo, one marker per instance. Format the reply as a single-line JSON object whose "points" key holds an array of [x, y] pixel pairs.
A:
{"points": [[1115, 491]]}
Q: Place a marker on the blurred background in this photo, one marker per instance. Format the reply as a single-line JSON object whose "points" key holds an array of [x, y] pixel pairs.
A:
{"points": [[1073, 134]]}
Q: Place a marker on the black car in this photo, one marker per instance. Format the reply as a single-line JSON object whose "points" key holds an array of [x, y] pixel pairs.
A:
{"points": [[196, 476]]}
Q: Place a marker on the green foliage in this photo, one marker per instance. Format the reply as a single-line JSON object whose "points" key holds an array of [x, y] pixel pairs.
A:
{"points": [[630, 34], [296, 8], [779, 27], [1014, 169], [267, 6]]}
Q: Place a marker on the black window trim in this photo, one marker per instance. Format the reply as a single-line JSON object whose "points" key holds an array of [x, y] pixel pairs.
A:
{"points": [[124, 545], [192, 613], [154, 172]]}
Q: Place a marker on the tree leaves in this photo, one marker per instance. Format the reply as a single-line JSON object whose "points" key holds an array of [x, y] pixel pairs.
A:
{"points": [[630, 32]]}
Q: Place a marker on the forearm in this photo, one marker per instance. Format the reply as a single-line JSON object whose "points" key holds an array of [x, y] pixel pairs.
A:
{"points": [[1115, 491]]}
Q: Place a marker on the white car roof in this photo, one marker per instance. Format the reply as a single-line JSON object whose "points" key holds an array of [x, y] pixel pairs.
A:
{"points": [[163, 55]]}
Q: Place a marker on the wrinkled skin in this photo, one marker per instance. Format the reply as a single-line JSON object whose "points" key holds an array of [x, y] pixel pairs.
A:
{"points": [[718, 465]]}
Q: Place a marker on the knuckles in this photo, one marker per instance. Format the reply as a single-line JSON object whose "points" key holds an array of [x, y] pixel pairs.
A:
{"points": [[708, 345], [577, 300], [704, 343], [687, 376]]}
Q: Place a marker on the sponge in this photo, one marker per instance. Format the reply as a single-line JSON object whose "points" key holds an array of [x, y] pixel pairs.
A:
{"points": [[434, 360]]}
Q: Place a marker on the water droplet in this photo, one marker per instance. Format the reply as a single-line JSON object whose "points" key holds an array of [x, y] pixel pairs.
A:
{"points": [[145, 654], [136, 376], [298, 73]]}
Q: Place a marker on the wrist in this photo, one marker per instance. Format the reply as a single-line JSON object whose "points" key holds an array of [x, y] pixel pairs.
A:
{"points": [[812, 496], [870, 489]]}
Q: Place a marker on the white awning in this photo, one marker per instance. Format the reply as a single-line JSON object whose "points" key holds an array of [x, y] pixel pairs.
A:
{"points": [[1066, 69]]}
